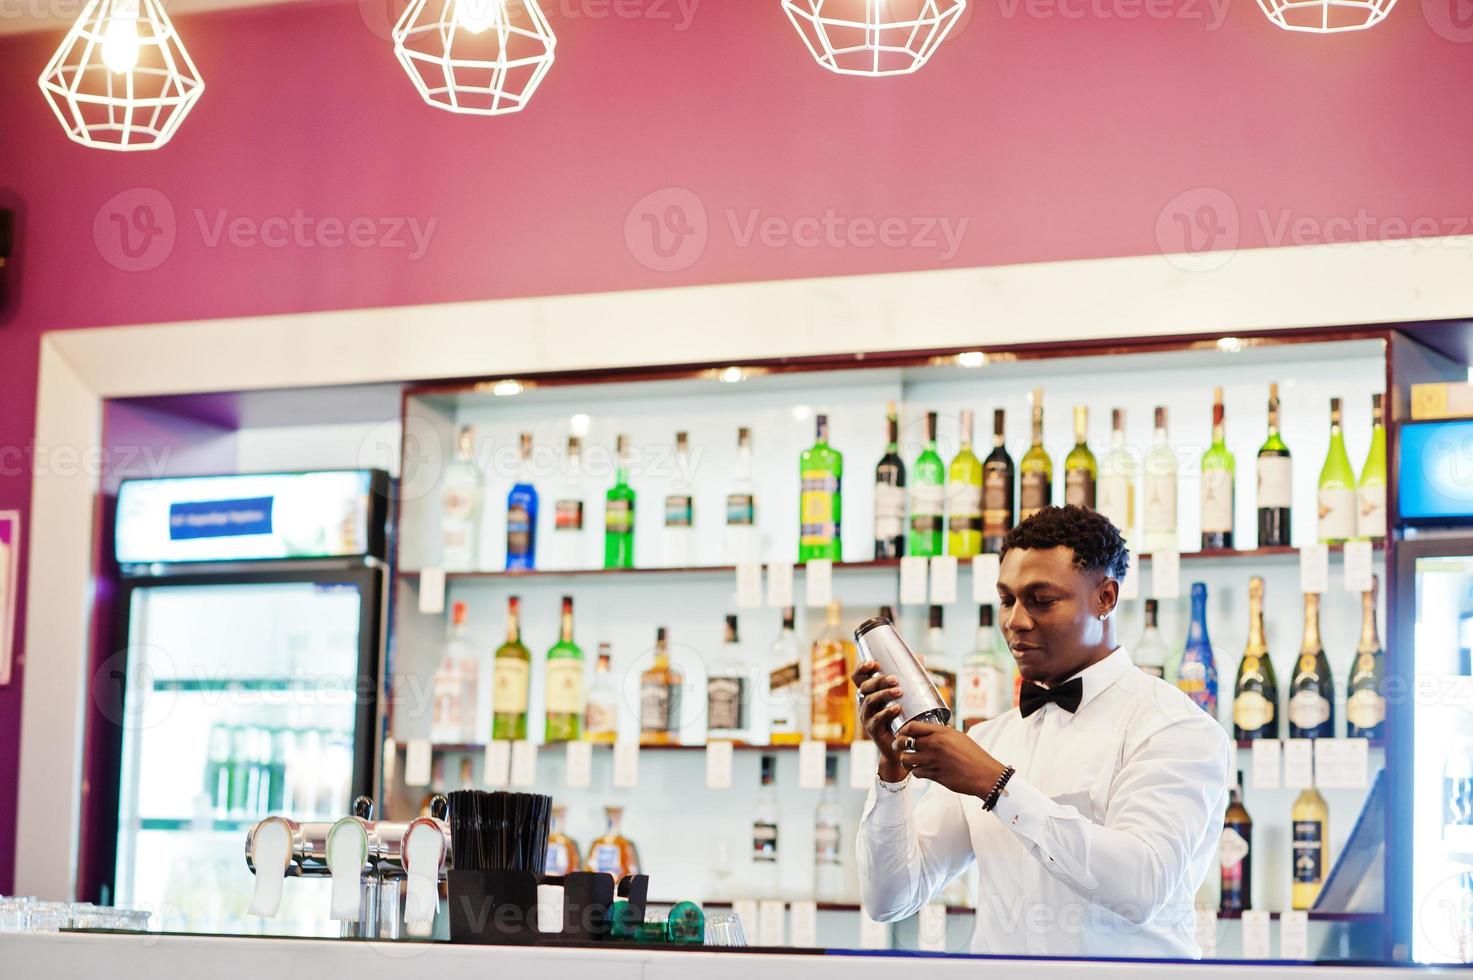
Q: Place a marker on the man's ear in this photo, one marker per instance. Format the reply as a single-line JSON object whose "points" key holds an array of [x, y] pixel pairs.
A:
{"points": [[1109, 595]]}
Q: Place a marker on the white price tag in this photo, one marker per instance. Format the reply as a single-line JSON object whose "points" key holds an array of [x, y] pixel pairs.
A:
{"points": [[1131, 587], [523, 764], [780, 585], [872, 934], [417, 762], [1294, 935], [811, 761], [984, 580], [803, 923], [943, 580], [749, 585], [1268, 761], [1255, 935], [496, 768], [1327, 763], [1357, 566], [771, 929], [718, 765], [626, 764], [746, 910], [864, 763], [1340, 763], [933, 928], [1299, 763], [432, 591], [1207, 932], [579, 772], [1314, 568], [1165, 575], [912, 581], [820, 583], [1356, 762]]}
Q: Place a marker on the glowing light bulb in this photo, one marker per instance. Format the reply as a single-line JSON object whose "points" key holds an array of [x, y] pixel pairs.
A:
{"points": [[477, 16], [120, 40]]}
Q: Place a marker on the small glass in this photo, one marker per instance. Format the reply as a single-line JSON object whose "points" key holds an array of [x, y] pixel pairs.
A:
{"points": [[725, 929], [13, 914], [131, 920], [48, 917]]}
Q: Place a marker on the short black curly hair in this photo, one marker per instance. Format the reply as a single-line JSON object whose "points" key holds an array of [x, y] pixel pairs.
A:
{"points": [[1098, 546]]}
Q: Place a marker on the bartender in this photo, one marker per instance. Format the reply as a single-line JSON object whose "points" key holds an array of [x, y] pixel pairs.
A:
{"points": [[1093, 810]]}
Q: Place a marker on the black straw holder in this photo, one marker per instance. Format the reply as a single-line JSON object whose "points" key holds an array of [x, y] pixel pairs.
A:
{"points": [[500, 907]]}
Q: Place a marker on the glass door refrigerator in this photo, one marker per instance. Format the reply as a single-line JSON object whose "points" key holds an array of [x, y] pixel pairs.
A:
{"points": [[253, 615]]}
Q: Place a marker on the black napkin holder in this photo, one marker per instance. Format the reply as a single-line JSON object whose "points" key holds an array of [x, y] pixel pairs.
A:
{"points": [[500, 907]]}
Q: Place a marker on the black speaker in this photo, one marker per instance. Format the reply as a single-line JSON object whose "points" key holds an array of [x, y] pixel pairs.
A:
{"points": [[7, 246]]}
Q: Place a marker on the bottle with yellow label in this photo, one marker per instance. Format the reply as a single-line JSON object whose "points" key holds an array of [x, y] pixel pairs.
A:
{"points": [[833, 659], [511, 680], [565, 693], [1311, 820], [1256, 693], [820, 470], [1365, 702]]}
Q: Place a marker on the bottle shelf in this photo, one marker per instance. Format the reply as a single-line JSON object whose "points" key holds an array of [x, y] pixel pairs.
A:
{"points": [[233, 825], [825, 907], [273, 685], [1316, 916], [459, 748], [1375, 744], [959, 910]]}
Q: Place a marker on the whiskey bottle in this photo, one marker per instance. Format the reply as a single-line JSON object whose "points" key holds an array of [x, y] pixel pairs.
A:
{"points": [[1312, 693], [1275, 481], [890, 493], [998, 478], [602, 725], [964, 497], [1256, 692], [785, 686], [562, 853], [511, 678], [1036, 469], [764, 879], [928, 497], [1217, 484], [565, 696], [1235, 854], [833, 700], [726, 691], [1311, 835], [1080, 467], [1365, 702], [613, 854], [821, 472], [659, 697]]}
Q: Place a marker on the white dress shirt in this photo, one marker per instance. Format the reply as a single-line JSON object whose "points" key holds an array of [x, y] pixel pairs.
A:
{"points": [[1110, 824]]}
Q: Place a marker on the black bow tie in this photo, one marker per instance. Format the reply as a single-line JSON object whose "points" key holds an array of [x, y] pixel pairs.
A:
{"points": [[1067, 696]]}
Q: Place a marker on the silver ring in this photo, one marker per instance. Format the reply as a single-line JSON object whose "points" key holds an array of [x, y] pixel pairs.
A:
{"points": [[910, 743]]}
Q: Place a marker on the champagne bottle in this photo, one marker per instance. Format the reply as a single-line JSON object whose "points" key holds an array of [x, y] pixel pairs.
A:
{"points": [[1197, 674], [1217, 484], [511, 678], [1337, 503], [821, 472], [566, 699], [998, 505], [1371, 491], [1080, 467], [1311, 820], [1036, 468], [1256, 692], [964, 497], [1235, 853], [1312, 694], [890, 493], [619, 513], [928, 496], [1150, 649], [1159, 510], [1365, 702], [1116, 488], [1275, 481]]}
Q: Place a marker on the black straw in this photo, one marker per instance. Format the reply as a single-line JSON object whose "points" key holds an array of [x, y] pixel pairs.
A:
{"points": [[499, 831]]}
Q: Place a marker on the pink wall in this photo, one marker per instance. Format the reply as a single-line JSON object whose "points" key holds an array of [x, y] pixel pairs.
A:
{"points": [[1052, 136]]}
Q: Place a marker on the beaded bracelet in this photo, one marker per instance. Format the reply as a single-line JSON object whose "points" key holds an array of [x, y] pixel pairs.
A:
{"points": [[991, 799]]}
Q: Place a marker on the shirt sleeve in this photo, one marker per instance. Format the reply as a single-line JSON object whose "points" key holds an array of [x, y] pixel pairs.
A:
{"points": [[908, 850], [1164, 802]]}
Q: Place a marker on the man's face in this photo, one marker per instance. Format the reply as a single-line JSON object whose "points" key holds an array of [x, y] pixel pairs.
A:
{"points": [[1050, 612]]}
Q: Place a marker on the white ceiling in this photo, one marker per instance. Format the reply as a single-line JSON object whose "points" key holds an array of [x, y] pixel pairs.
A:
{"points": [[23, 16]]}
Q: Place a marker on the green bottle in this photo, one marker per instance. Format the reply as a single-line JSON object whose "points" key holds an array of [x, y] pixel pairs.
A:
{"points": [[1275, 481], [1218, 470], [821, 472], [1080, 467], [1371, 492], [565, 695], [511, 680], [928, 497], [1337, 492], [1035, 469], [964, 497], [619, 514]]}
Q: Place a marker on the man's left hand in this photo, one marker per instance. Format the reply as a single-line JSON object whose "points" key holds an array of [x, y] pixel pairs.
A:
{"points": [[947, 756]]}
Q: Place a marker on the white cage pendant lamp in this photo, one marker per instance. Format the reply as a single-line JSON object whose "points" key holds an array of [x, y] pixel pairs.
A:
{"points": [[1326, 16], [121, 80], [873, 37], [482, 57]]}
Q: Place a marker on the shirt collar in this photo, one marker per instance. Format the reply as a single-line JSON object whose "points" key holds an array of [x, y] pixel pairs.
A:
{"points": [[1098, 677]]}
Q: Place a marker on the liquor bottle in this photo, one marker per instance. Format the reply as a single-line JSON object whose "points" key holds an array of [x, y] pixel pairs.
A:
{"points": [[890, 493], [1275, 481], [659, 697], [1312, 692], [743, 543], [1158, 513], [680, 511], [613, 854], [1217, 485], [1371, 491], [828, 862], [1150, 650], [1080, 467], [217, 772], [1365, 702], [997, 490], [1036, 469], [568, 547], [964, 497], [1256, 691], [450, 710], [602, 724], [1197, 675], [1337, 502], [821, 471], [566, 701], [460, 499], [510, 679], [785, 686], [833, 702], [928, 498], [1235, 853], [938, 662], [619, 513], [1311, 820], [562, 853], [521, 513], [726, 691], [764, 879], [984, 686], [1116, 488]]}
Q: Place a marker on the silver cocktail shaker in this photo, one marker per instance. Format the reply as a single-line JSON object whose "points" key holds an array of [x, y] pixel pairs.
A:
{"points": [[919, 700]]}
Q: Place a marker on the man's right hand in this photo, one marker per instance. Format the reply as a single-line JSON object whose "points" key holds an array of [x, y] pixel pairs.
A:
{"points": [[879, 706]]}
